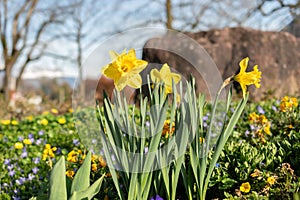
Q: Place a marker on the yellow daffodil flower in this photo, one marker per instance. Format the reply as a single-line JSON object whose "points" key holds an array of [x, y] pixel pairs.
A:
{"points": [[125, 69], [248, 78], [165, 76], [245, 187]]}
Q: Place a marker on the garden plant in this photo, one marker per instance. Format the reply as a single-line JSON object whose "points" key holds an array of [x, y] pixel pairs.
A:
{"points": [[170, 144]]}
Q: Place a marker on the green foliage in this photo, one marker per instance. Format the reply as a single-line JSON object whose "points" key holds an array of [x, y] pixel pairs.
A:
{"points": [[80, 186], [25, 175]]}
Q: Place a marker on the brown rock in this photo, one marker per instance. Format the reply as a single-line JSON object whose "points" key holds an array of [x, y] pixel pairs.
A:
{"points": [[277, 55]]}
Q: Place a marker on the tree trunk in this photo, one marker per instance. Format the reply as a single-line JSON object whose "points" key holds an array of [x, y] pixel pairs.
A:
{"points": [[6, 84], [79, 62], [169, 14]]}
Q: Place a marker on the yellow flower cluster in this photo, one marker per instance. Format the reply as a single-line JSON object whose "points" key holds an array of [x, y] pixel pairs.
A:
{"points": [[19, 145], [288, 103], [77, 156], [48, 152], [125, 68], [168, 128], [8, 122], [262, 123], [245, 187], [73, 156]]}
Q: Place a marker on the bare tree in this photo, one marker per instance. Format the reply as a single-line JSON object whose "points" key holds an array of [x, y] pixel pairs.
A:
{"points": [[23, 27]]}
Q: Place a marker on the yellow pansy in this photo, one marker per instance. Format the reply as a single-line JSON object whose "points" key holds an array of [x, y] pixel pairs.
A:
{"points": [[5, 121], [30, 117], [168, 128], [94, 167], [271, 180], [44, 122], [248, 78], [256, 173], [62, 120], [45, 113], [14, 122], [125, 69], [165, 76], [27, 141], [48, 151], [245, 187], [54, 111], [70, 173], [18, 145]]}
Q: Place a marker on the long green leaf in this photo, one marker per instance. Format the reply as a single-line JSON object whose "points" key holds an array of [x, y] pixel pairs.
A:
{"points": [[58, 190], [81, 180], [90, 192]]}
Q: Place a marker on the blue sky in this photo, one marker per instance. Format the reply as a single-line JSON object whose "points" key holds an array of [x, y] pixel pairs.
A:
{"points": [[111, 17]]}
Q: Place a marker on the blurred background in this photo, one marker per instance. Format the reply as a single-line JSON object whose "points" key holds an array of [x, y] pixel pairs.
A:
{"points": [[44, 44]]}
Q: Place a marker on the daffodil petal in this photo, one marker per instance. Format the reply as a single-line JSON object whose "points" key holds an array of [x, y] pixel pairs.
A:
{"points": [[244, 64], [165, 70], [140, 65], [244, 89], [111, 72], [155, 76], [135, 81], [121, 83], [113, 55], [176, 77]]}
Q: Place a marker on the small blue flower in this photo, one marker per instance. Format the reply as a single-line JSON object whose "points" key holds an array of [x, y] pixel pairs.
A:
{"points": [[31, 177], [76, 142], [11, 173], [146, 149], [6, 161], [30, 136], [260, 110], [41, 133], [39, 141], [24, 154], [217, 165], [247, 133], [156, 197], [274, 108], [147, 123], [35, 170], [20, 138], [10, 167], [16, 198], [205, 118], [36, 160]]}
